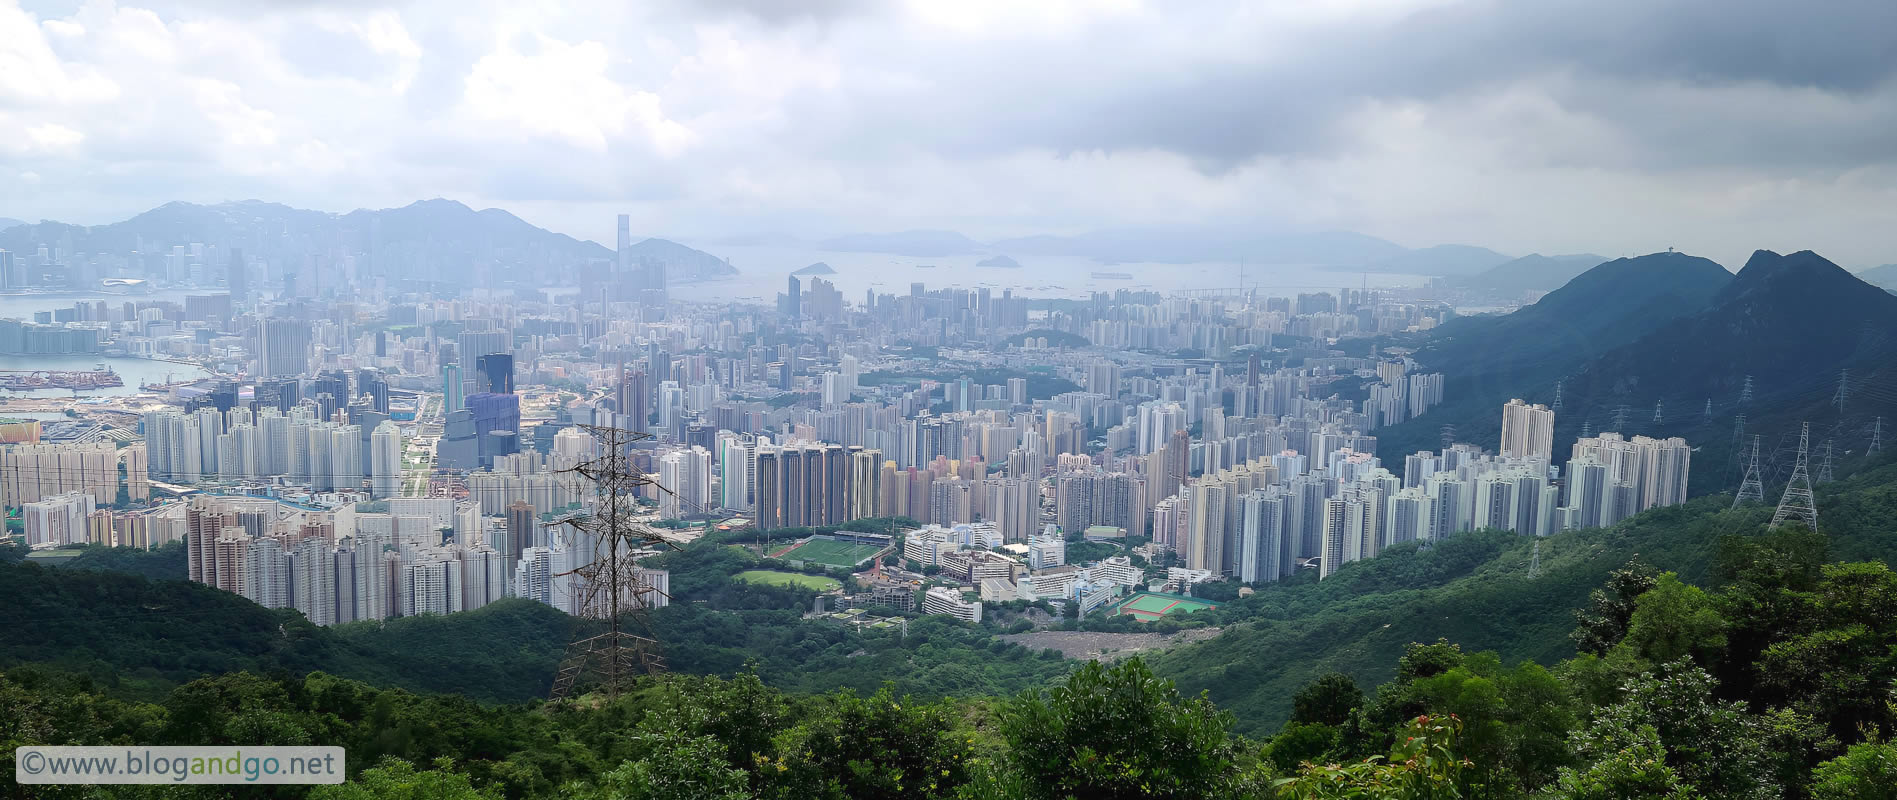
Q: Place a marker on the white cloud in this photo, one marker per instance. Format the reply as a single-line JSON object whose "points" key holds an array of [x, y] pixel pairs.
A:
{"points": [[1604, 126]]}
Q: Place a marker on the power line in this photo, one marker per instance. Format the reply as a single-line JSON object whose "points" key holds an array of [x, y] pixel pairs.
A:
{"points": [[1751, 489], [1798, 502], [610, 585]]}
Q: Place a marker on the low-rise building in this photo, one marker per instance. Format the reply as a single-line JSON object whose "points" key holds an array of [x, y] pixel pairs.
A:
{"points": [[948, 600]]}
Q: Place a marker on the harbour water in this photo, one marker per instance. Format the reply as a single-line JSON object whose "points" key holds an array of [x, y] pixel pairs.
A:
{"points": [[762, 274], [134, 371]]}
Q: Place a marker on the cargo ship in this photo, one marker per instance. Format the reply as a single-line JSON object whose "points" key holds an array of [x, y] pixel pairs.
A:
{"points": [[22, 380]]}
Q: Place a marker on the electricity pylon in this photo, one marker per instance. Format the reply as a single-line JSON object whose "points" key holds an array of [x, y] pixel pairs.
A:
{"points": [[1877, 437], [1745, 395], [1751, 489], [1659, 413], [609, 583], [1798, 502], [1844, 389], [1824, 469]]}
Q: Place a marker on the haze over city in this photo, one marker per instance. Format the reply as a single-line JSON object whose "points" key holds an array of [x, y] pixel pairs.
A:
{"points": [[842, 399]]}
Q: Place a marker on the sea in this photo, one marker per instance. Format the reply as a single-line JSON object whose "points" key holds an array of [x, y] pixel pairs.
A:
{"points": [[763, 273], [134, 371]]}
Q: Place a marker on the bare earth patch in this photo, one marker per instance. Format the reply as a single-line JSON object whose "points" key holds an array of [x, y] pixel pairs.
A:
{"points": [[1088, 645]]}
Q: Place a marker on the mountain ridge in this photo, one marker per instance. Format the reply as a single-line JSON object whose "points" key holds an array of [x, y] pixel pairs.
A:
{"points": [[434, 239]]}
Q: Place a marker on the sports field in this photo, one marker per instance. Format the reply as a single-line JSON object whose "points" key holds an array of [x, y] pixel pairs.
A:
{"points": [[1149, 606], [775, 578], [830, 553]]}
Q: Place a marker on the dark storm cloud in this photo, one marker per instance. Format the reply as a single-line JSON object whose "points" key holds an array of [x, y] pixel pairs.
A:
{"points": [[1617, 61]]}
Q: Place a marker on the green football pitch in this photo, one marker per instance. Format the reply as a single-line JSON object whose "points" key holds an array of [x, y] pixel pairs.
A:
{"points": [[775, 578], [830, 552], [1148, 606]]}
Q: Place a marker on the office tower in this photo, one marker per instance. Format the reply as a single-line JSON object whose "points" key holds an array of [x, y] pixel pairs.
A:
{"points": [[451, 389], [624, 252], [375, 386], [385, 450], [284, 348], [1527, 431], [11, 276], [793, 302], [494, 373], [235, 278], [496, 420]]}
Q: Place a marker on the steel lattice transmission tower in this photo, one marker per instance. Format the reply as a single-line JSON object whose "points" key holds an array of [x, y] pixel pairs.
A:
{"points": [[1824, 469], [1709, 411], [609, 584], [1745, 395], [1659, 413], [1844, 389], [1534, 562], [1798, 502], [1557, 395], [1620, 418], [1877, 437], [1751, 489]]}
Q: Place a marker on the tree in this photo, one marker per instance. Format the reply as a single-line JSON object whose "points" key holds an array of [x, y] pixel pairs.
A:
{"points": [[1714, 745], [882, 747], [1610, 609], [1118, 731], [1635, 771], [395, 779], [1422, 766], [1327, 700], [1672, 620], [678, 767], [1865, 772]]}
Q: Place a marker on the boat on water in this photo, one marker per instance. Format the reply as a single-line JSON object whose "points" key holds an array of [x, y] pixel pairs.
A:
{"points": [[1113, 276]]}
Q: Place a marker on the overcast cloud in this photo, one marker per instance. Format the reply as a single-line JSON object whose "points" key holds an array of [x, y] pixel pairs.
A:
{"points": [[1610, 126]]}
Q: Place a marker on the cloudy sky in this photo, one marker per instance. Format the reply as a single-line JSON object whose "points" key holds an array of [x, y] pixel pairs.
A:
{"points": [[1611, 126]]}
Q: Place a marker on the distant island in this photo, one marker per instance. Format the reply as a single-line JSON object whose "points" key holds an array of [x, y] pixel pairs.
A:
{"points": [[818, 268], [998, 260]]}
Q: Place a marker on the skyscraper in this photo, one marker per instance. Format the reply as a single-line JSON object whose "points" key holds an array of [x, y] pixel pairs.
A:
{"points": [[235, 277], [1527, 430], [283, 347], [494, 373], [451, 389], [385, 448]]}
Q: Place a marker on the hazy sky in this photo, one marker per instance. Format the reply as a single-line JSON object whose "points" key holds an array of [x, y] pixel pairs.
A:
{"points": [[1612, 126]]}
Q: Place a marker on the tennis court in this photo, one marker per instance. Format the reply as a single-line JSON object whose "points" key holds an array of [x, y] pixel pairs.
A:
{"points": [[831, 552], [1149, 606]]}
